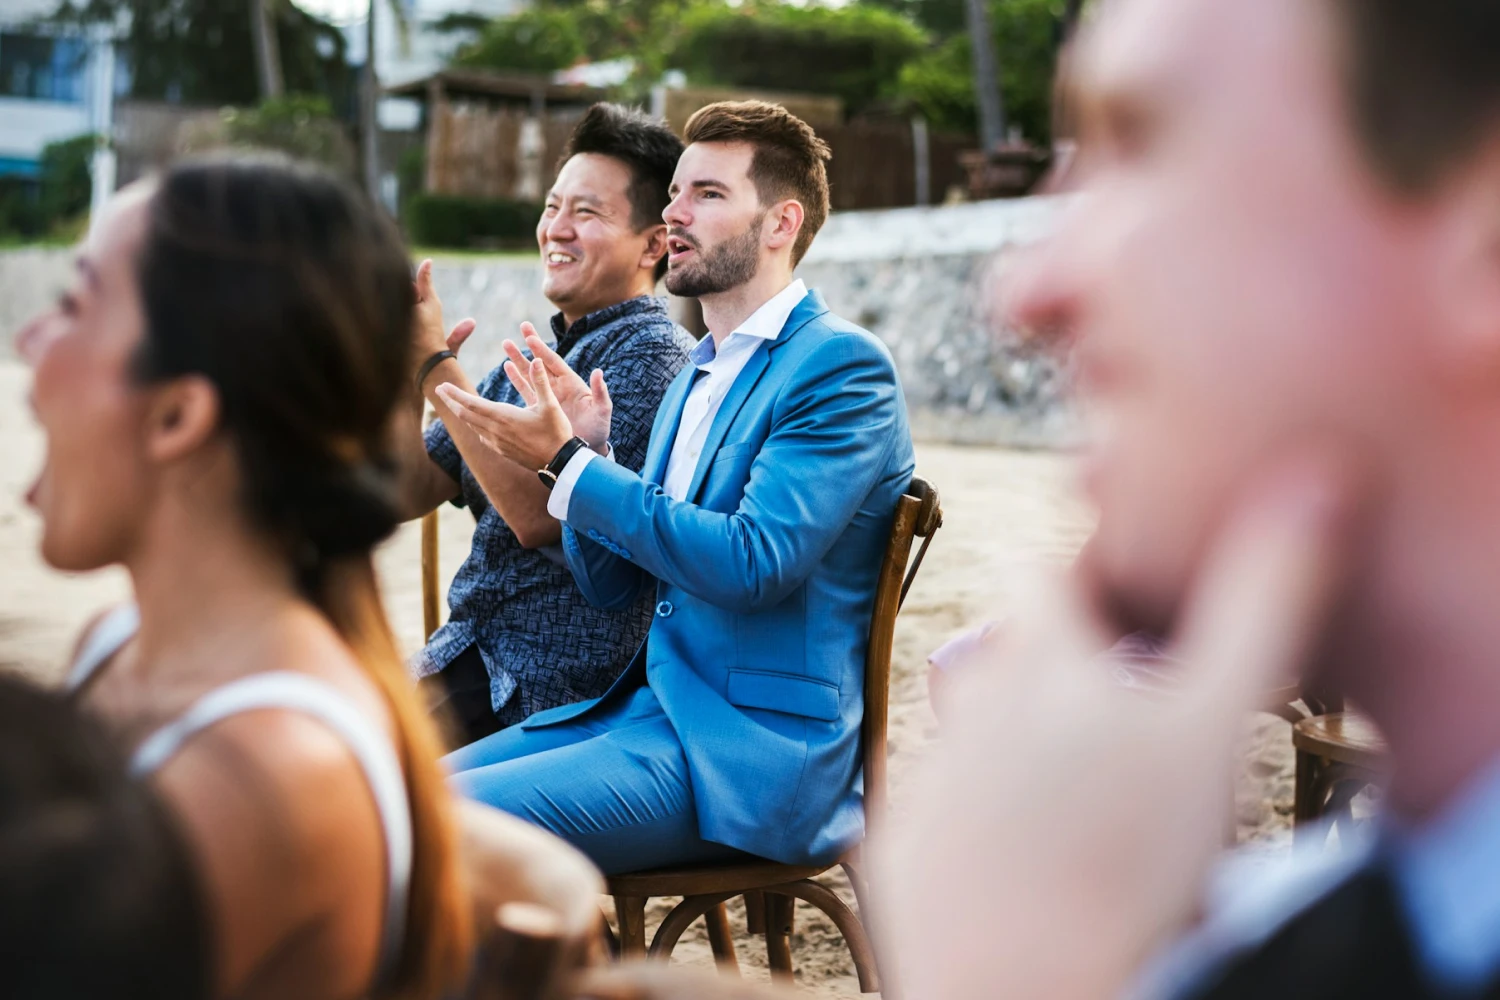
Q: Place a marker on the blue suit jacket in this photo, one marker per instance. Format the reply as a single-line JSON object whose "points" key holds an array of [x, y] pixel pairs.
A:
{"points": [[765, 579]]}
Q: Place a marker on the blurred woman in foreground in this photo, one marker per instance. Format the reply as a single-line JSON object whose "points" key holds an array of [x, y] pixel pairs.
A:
{"points": [[214, 390]]}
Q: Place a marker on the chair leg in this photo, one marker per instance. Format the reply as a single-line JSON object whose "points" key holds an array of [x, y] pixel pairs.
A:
{"points": [[755, 912], [877, 974], [631, 912], [721, 940], [855, 933], [779, 936], [1306, 806]]}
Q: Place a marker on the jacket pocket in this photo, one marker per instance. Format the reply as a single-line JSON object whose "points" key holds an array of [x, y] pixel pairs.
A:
{"points": [[783, 693]]}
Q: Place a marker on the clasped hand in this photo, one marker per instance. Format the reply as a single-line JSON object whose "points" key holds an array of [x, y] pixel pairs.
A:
{"points": [[559, 406]]}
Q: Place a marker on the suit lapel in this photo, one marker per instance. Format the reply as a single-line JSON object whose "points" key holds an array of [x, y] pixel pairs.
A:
{"points": [[811, 306], [738, 393], [660, 446]]}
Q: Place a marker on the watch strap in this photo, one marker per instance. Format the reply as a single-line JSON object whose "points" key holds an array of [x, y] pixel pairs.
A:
{"points": [[549, 472]]}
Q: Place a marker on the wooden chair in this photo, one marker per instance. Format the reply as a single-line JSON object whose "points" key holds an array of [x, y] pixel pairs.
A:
{"points": [[1338, 755], [769, 888]]}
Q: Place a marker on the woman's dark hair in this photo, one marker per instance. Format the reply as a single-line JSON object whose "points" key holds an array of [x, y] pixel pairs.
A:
{"points": [[282, 286], [647, 146], [97, 889], [292, 294]]}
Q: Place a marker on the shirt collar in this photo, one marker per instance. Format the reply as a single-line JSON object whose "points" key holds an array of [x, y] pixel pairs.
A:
{"points": [[766, 323], [567, 337]]}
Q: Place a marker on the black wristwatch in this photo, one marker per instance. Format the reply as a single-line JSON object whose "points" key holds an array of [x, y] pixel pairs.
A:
{"points": [[548, 474]]}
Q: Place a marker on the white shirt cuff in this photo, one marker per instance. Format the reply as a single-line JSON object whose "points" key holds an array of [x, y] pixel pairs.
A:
{"points": [[562, 493]]}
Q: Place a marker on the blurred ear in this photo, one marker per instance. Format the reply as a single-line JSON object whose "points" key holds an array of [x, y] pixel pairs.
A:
{"points": [[656, 247], [184, 415], [784, 222], [1466, 276]]}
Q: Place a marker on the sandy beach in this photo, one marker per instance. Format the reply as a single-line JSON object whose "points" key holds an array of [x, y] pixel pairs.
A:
{"points": [[1004, 510]]}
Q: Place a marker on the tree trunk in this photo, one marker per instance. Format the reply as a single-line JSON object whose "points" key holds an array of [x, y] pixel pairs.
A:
{"points": [[267, 48], [986, 75], [368, 123]]}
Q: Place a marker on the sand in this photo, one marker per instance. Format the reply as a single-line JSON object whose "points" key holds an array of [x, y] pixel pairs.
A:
{"points": [[1003, 511]]}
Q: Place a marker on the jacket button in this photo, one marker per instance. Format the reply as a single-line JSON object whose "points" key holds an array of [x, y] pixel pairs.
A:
{"points": [[664, 609]]}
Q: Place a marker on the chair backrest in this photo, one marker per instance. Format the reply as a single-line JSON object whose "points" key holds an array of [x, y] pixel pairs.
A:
{"points": [[431, 595], [919, 514]]}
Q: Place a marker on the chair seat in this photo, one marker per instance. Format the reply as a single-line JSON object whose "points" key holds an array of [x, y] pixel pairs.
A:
{"points": [[1343, 738], [706, 880]]}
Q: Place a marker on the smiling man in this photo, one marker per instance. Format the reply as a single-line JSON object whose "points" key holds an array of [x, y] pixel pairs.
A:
{"points": [[520, 637], [757, 524]]}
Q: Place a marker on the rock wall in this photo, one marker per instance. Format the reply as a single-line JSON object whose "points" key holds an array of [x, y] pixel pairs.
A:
{"points": [[923, 280]]}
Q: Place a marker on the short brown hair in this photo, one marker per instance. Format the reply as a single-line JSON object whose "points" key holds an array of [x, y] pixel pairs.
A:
{"points": [[1423, 82], [790, 160]]}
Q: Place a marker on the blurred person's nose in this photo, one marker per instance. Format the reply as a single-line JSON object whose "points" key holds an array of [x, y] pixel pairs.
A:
{"points": [[1038, 298], [32, 340], [1043, 294]]}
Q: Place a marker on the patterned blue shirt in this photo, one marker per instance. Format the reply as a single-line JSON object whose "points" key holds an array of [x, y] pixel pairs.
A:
{"points": [[542, 642]]}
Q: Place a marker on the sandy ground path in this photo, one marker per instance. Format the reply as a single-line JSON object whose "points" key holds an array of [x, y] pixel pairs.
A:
{"points": [[1004, 510]]}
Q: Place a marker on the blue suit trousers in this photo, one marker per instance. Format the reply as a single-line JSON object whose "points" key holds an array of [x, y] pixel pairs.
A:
{"points": [[613, 783]]}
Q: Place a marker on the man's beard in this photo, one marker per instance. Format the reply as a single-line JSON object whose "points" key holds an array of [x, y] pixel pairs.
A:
{"points": [[730, 264]]}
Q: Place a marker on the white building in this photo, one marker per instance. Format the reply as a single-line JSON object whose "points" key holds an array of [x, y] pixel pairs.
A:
{"points": [[54, 85]]}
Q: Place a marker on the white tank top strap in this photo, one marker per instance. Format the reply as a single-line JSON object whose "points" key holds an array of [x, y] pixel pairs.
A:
{"points": [[113, 630], [371, 748]]}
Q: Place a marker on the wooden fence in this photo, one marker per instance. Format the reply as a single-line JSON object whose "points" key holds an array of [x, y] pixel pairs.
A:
{"points": [[494, 152]]}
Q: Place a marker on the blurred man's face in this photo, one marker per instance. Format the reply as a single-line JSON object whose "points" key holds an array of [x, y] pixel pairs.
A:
{"points": [[1236, 279]]}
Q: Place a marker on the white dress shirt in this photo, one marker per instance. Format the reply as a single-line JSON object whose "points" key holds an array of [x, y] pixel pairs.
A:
{"points": [[721, 364]]}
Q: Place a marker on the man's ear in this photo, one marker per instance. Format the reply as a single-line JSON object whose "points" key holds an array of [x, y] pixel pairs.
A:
{"points": [[184, 414], [1465, 275], [656, 247], [784, 222]]}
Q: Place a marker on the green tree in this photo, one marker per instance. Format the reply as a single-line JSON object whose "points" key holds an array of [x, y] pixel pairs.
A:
{"points": [[643, 30], [300, 126], [855, 52], [203, 52], [943, 18], [940, 83], [540, 40]]}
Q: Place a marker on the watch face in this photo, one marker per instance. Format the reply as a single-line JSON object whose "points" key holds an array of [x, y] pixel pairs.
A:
{"points": [[548, 479]]}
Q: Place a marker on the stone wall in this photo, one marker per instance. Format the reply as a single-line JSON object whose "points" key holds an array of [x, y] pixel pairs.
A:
{"points": [[924, 280]]}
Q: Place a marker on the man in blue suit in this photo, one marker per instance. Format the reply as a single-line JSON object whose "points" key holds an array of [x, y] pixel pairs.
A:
{"points": [[760, 517]]}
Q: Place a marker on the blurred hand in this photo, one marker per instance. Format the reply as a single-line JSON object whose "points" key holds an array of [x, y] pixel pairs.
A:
{"points": [[1061, 830], [586, 404], [530, 436], [427, 336]]}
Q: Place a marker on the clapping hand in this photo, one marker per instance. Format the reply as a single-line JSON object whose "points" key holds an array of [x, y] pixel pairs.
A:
{"points": [[530, 436], [586, 404], [428, 337]]}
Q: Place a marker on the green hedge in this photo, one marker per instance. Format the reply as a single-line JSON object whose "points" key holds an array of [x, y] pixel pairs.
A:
{"points": [[440, 220], [31, 209]]}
